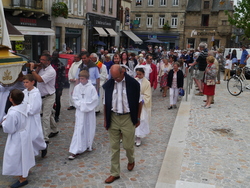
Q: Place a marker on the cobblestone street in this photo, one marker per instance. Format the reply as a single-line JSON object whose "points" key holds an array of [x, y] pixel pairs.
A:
{"points": [[91, 168]]}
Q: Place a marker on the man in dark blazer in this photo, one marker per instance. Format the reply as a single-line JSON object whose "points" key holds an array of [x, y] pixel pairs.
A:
{"points": [[122, 110]]}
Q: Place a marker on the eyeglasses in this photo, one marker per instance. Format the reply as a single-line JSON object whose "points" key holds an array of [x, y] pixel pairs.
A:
{"points": [[43, 59]]}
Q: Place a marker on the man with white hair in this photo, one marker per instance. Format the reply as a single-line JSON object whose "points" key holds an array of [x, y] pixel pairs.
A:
{"points": [[103, 77], [72, 79], [202, 64]]}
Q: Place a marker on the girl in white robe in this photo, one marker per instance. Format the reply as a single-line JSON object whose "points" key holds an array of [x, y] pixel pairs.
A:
{"points": [[32, 98], [18, 153], [85, 99], [143, 129]]}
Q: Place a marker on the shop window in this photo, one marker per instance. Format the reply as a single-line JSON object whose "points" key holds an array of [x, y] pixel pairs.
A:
{"points": [[206, 4], [150, 2], [204, 20], [190, 43], [149, 21], [175, 2], [161, 21], [162, 2], [216, 43], [174, 22], [138, 2]]}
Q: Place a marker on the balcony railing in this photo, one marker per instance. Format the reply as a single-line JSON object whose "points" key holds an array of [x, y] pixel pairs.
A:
{"points": [[32, 4]]}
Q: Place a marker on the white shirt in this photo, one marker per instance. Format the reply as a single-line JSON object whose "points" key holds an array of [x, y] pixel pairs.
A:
{"points": [[120, 100], [47, 87], [73, 69], [228, 64]]}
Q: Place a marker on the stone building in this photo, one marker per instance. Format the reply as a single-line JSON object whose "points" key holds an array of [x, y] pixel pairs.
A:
{"points": [[162, 19], [206, 21], [32, 19]]}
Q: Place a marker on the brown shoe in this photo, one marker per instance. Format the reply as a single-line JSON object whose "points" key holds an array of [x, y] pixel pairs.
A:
{"points": [[199, 94], [111, 179], [218, 82], [131, 166]]}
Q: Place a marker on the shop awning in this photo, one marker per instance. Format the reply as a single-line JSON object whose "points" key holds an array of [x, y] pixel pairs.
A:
{"points": [[132, 36], [35, 30], [14, 34], [101, 32], [111, 32]]}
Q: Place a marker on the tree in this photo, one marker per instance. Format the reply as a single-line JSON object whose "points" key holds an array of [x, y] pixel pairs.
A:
{"points": [[241, 17]]}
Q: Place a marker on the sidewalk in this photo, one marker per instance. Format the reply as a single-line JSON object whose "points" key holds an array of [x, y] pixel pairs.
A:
{"points": [[209, 147]]}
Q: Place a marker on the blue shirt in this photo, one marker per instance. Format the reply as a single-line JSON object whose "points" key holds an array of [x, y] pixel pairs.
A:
{"points": [[243, 57], [93, 74]]}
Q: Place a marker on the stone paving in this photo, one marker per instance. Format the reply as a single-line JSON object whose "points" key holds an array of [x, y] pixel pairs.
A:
{"points": [[218, 143], [90, 169]]}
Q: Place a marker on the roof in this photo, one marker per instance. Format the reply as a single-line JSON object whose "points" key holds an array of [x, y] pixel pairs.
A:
{"points": [[194, 5], [217, 6]]}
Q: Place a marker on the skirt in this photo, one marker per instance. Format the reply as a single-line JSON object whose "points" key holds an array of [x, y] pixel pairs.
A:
{"points": [[164, 79], [209, 90]]}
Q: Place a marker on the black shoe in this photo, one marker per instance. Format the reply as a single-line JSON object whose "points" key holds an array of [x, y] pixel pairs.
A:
{"points": [[53, 134], [19, 184], [56, 118], [170, 107], [44, 152], [71, 108], [97, 112]]}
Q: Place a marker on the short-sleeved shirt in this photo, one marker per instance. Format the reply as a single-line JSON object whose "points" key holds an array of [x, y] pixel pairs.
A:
{"points": [[93, 74], [243, 57], [47, 87]]}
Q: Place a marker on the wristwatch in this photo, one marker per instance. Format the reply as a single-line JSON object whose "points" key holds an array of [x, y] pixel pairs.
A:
{"points": [[33, 70]]}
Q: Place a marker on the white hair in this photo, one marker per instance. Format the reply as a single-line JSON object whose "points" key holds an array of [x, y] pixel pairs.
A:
{"points": [[95, 55], [203, 45]]}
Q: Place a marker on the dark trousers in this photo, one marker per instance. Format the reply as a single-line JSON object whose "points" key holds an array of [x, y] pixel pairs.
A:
{"points": [[58, 102]]}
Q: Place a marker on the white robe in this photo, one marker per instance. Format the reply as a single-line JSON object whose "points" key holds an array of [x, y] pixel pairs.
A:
{"points": [[143, 129], [34, 104], [4, 93], [86, 99], [18, 153]]}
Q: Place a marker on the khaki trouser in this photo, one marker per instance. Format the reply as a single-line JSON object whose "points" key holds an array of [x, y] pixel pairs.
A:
{"points": [[227, 74], [48, 121], [121, 124]]}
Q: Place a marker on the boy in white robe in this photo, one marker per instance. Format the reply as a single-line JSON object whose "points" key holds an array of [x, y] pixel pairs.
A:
{"points": [[32, 98], [85, 99], [18, 153]]}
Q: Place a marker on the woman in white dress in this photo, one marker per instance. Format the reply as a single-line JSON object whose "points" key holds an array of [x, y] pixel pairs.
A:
{"points": [[146, 93]]}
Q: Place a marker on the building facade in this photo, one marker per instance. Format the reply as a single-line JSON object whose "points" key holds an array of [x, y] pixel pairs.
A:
{"points": [[161, 19], [101, 24], [32, 19], [70, 31], [206, 21]]}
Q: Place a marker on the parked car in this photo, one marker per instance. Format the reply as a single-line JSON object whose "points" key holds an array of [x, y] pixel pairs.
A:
{"points": [[67, 60]]}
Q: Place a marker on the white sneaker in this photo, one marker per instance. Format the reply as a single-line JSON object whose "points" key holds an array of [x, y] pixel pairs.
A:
{"points": [[72, 157], [138, 141]]}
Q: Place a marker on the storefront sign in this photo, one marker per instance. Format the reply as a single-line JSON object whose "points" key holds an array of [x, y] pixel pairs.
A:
{"points": [[73, 31], [28, 21], [103, 23], [202, 33]]}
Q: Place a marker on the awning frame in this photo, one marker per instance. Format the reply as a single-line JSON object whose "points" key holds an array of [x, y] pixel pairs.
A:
{"points": [[133, 37], [101, 31], [111, 32]]}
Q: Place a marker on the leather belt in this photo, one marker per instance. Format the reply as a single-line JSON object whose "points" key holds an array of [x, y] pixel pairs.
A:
{"points": [[120, 114], [46, 95]]}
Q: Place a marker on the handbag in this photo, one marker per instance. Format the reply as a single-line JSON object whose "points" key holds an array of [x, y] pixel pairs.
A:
{"points": [[210, 82], [181, 92]]}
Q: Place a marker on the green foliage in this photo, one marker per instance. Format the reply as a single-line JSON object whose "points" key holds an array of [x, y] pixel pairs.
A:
{"points": [[59, 9], [166, 26], [241, 17]]}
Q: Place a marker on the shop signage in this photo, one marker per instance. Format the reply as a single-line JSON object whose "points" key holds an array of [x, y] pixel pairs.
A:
{"points": [[28, 21], [104, 23], [202, 33], [73, 31]]}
